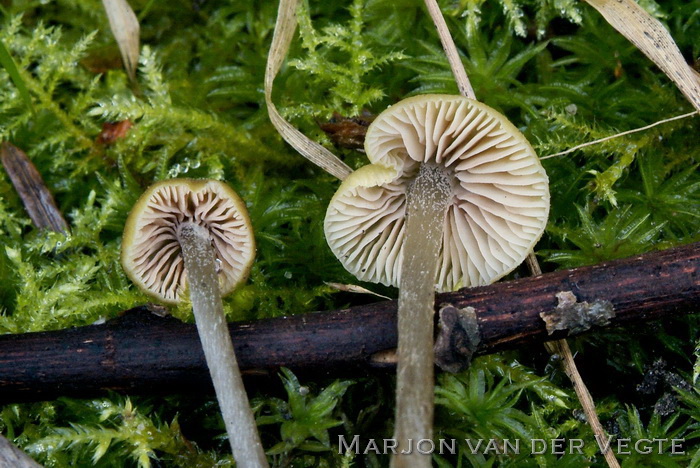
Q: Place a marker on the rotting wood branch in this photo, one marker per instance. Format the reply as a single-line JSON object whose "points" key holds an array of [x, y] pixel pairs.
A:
{"points": [[145, 353]]}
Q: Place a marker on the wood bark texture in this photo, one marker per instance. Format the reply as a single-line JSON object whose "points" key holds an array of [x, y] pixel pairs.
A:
{"points": [[145, 353]]}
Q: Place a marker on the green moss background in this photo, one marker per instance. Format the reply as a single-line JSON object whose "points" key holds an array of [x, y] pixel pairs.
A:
{"points": [[554, 67]]}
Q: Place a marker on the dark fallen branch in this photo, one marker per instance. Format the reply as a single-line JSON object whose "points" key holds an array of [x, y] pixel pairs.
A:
{"points": [[142, 352]]}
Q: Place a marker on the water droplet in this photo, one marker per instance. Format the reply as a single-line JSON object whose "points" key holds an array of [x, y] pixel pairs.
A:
{"points": [[174, 171]]}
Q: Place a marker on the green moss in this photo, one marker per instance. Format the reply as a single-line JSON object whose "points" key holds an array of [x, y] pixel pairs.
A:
{"points": [[553, 66]]}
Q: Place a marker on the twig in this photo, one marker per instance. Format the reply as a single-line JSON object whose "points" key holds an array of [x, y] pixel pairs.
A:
{"points": [[144, 353], [31, 188], [561, 348]]}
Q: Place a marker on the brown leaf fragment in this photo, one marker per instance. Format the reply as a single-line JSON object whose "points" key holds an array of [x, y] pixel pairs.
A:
{"points": [[577, 317], [102, 60], [32, 190], [348, 132], [113, 131]]}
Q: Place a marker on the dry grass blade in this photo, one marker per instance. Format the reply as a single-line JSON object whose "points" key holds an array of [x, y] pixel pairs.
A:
{"points": [[125, 27], [448, 44], [561, 348], [649, 35], [12, 456], [617, 135], [317, 154], [353, 288]]}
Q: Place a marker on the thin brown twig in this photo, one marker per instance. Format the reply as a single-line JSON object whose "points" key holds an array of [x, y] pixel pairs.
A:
{"points": [[141, 352]]}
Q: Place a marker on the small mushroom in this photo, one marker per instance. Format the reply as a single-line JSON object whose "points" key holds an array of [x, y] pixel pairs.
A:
{"points": [[195, 234], [455, 196]]}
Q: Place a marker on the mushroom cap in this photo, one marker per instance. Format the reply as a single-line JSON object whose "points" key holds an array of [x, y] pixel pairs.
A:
{"points": [[500, 197], [151, 254]]}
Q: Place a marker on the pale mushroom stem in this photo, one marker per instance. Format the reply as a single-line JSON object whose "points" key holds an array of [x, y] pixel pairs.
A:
{"points": [[426, 202], [198, 255]]}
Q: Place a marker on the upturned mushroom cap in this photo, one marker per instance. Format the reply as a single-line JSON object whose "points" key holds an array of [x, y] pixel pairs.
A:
{"points": [[151, 254], [498, 211]]}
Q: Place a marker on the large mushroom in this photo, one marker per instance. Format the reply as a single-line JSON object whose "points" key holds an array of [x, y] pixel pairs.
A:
{"points": [[455, 197], [195, 234]]}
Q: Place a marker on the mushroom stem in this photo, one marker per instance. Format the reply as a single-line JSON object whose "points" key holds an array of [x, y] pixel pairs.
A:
{"points": [[426, 202], [205, 295]]}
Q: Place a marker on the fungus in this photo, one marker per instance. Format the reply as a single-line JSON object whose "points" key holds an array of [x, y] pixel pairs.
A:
{"points": [[455, 196], [195, 234]]}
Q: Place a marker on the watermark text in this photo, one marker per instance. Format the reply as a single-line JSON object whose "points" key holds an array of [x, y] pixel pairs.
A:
{"points": [[507, 446]]}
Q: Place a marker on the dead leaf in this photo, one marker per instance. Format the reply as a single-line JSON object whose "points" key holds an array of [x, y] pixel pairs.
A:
{"points": [[113, 131], [282, 37], [126, 30], [348, 132], [650, 36]]}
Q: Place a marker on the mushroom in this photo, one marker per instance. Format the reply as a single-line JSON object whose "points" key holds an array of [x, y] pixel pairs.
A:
{"points": [[195, 234], [455, 197]]}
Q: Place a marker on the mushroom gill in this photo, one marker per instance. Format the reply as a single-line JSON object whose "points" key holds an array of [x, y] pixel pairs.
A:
{"points": [[500, 196], [152, 251]]}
